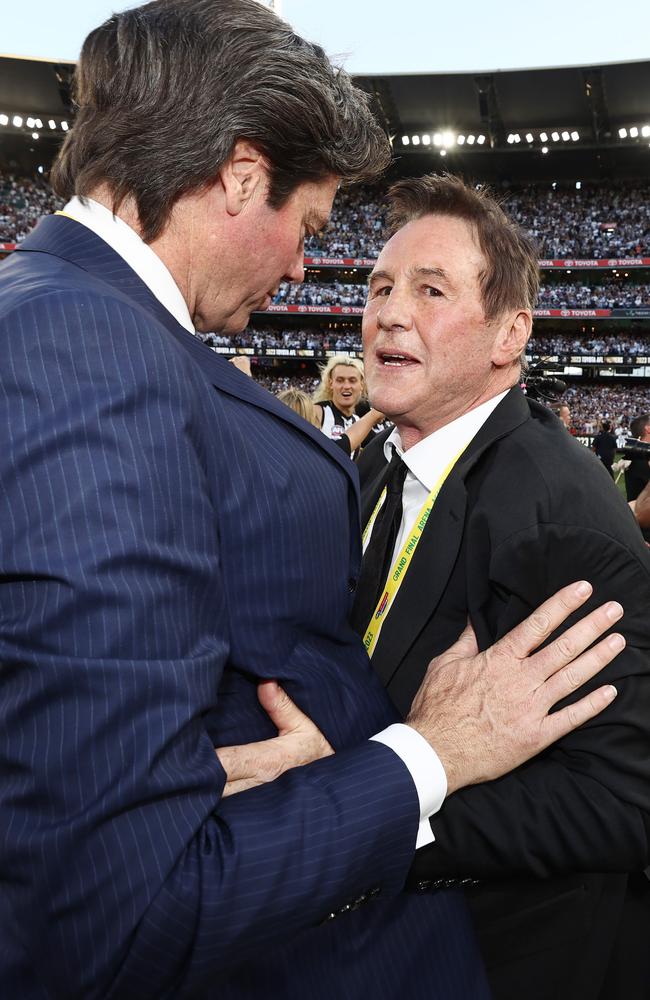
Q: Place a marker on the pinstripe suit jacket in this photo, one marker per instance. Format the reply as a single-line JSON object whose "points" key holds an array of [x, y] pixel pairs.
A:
{"points": [[170, 534]]}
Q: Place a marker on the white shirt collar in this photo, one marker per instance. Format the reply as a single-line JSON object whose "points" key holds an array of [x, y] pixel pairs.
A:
{"points": [[428, 459], [140, 257]]}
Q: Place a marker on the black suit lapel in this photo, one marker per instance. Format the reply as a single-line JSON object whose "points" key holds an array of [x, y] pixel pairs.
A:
{"points": [[435, 557], [425, 581]]}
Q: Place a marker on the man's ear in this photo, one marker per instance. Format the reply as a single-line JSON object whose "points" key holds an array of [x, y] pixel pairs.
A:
{"points": [[242, 176], [512, 337]]}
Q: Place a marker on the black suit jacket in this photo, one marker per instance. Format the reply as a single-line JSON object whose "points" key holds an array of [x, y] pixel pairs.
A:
{"points": [[525, 511]]}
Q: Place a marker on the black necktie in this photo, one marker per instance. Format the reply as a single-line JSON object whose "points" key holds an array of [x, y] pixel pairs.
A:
{"points": [[377, 557]]}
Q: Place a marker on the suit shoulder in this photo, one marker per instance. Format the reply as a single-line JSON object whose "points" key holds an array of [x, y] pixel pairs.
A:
{"points": [[49, 311], [537, 473]]}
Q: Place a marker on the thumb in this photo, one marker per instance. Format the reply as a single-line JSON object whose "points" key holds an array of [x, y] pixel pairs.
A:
{"points": [[465, 645], [275, 701]]}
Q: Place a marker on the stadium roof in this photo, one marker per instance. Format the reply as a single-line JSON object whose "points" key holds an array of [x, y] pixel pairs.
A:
{"points": [[588, 108], [594, 99]]}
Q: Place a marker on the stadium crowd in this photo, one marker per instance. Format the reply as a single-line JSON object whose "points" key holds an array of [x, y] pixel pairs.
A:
{"points": [[22, 203], [313, 339], [589, 404], [317, 293], [609, 295], [594, 221], [346, 339], [558, 295], [544, 344]]}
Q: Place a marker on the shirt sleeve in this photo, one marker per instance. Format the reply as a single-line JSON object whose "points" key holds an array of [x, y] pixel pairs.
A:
{"points": [[424, 766]]}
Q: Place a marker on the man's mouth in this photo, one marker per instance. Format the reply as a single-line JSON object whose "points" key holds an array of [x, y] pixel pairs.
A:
{"points": [[396, 359]]}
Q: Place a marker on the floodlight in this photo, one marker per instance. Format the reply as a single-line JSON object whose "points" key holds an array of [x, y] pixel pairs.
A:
{"points": [[481, 140], [38, 123], [443, 152], [460, 139], [34, 135], [4, 120], [545, 149], [578, 185], [529, 136], [437, 139], [575, 136], [41, 169], [511, 138], [565, 136], [415, 139], [17, 121], [64, 126], [645, 131], [426, 140], [471, 139], [30, 123], [622, 133], [448, 139], [555, 136], [634, 132], [52, 123], [543, 137]]}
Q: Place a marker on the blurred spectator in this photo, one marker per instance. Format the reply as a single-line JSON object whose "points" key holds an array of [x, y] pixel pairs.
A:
{"points": [[604, 445], [637, 474]]}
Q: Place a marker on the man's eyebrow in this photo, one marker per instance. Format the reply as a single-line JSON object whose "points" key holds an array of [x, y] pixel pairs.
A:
{"points": [[431, 272], [379, 275]]}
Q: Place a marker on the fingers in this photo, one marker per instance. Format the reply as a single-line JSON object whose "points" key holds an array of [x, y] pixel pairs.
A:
{"points": [[576, 640], [282, 711], [561, 723], [566, 681], [535, 629]]}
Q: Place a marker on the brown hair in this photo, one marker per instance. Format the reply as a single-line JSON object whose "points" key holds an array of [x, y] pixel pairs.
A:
{"points": [[165, 90], [511, 277]]}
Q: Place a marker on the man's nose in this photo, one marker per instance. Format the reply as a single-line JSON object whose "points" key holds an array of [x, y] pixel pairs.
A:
{"points": [[296, 270], [395, 311]]}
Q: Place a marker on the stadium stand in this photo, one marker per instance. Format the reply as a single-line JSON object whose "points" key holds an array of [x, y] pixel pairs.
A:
{"points": [[593, 313]]}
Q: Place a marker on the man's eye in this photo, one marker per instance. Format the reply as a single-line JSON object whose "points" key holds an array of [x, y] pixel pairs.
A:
{"points": [[432, 291], [381, 290]]}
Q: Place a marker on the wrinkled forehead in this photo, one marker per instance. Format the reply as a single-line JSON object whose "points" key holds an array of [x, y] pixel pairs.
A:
{"points": [[444, 242]]}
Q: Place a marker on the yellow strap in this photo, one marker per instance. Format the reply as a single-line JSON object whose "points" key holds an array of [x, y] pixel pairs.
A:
{"points": [[403, 561], [66, 216]]}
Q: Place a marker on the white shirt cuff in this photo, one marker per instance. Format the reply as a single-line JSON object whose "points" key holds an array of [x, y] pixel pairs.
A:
{"points": [[425, 768]]}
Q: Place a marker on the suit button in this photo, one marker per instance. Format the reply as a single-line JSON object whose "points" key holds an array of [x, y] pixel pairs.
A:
{"points": [[352, 585]]}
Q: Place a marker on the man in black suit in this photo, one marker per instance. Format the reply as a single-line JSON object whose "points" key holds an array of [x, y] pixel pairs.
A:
{"points": [[604, 446], [499, 507], [637, 474]]}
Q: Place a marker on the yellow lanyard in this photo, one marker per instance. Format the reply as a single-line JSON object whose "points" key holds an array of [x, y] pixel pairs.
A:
{"points": [[403, 561]]}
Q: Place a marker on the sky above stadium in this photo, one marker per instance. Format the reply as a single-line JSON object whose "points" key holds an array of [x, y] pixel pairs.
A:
{"points": [[393, 36]]}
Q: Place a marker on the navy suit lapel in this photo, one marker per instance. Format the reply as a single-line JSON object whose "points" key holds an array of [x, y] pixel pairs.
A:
{"points": [[435, 557], [65, 238]]}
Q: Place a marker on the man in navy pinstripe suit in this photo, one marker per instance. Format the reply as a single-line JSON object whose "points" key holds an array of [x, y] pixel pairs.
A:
{"points": [[158, 565]]}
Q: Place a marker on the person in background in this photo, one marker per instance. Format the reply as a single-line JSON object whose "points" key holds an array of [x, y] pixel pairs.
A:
{"points": [[342, 386], [604, 445], [637, 474]]}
